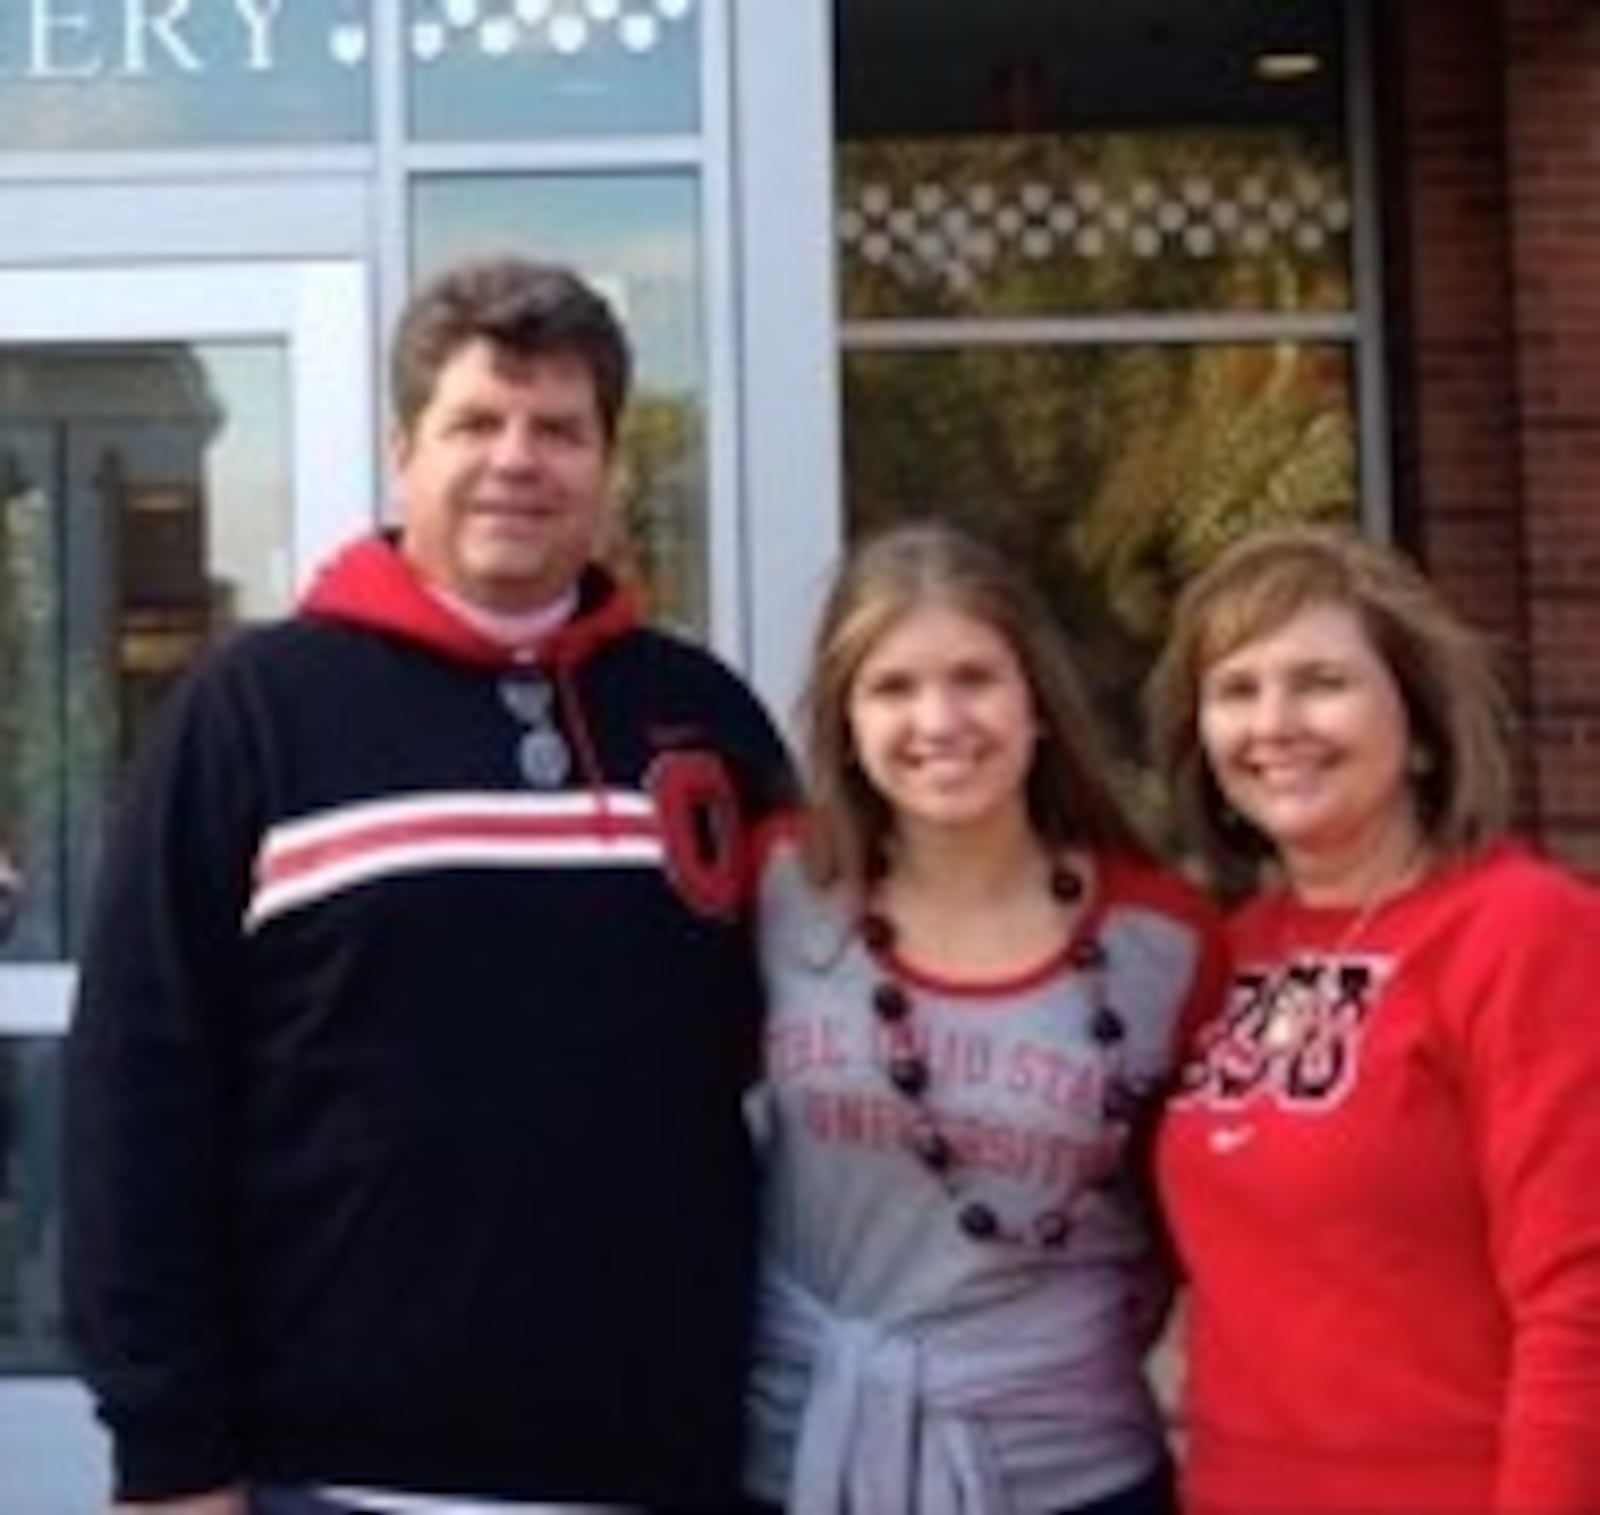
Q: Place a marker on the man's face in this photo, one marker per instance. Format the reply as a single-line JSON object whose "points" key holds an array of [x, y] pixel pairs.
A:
{"points": [[504, 479]]}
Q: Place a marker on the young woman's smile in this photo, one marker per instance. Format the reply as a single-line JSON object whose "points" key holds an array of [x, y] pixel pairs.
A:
{"points": [[942, 720]]}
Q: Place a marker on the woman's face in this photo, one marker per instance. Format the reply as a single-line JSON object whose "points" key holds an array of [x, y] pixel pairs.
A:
{"points": [[1308, 738], [942, 721]]}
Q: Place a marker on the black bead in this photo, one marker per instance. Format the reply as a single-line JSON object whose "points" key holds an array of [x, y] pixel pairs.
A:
{"points": [[933, 1147], [1066, 884], [1106, 1026], [1121, 1102], [1052, 1228], [890, 1002], [909, 1074], [877, 931], [1088, 955], [978, 1221]]}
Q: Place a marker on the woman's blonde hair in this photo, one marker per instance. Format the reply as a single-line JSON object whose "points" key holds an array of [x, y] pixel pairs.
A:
{"points": [[1071, 799], [1454, 703]]}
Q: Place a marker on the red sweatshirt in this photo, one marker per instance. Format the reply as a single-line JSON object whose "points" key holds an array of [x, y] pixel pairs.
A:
{"points": [[1384, 1180]]}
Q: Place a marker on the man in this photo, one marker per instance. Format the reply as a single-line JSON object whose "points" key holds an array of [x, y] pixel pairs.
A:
{"points": [[405, 1150]]}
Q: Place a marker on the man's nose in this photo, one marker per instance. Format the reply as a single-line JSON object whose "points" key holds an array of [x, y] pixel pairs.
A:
{"points": [[518, 448]]}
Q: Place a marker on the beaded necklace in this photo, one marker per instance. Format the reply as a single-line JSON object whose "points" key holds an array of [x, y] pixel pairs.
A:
{"points": [[1125, 1101]]}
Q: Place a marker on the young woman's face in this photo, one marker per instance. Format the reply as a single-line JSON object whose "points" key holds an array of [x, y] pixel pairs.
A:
{"points": [[1308, 738], [942, 721]]}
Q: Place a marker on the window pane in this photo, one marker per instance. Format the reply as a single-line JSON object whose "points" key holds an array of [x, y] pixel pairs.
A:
{"points": [[637, 237], [144, 506], [553, 68], [30, 1233], [1114, 470], [1036, 225], [106, 74], [1041, 158]]}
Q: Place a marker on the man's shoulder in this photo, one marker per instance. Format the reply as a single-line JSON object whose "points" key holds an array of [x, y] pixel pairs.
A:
{"points": [[684, 663]]}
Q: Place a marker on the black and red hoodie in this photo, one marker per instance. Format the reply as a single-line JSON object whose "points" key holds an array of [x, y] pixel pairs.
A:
{"points": [[403, 1096]]}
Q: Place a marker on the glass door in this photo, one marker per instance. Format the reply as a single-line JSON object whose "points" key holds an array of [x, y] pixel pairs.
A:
{"points": [[179, 446]]}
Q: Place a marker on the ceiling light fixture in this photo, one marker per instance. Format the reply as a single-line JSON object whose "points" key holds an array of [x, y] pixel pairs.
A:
{"points": [[1286, 68]]}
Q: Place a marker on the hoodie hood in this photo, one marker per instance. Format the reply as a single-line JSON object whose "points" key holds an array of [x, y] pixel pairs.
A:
{"points": [[369, 583]]}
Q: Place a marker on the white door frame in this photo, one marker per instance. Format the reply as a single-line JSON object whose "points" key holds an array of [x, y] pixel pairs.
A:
{"points": [[321, 311], [52, 1459]]}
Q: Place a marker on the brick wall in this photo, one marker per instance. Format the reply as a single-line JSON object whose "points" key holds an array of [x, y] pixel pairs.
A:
{"points": [[1495, 207]]}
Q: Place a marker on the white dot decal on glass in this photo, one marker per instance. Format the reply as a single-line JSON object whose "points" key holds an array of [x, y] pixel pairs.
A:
{"points": [[1035, 197], [850, 225], [532, 13], [1171, 215], [955, 220], [1145, 241], [1036, 244], [901, 222], [1063, 218], [604, 11], [928, 247], [427, 41], [1090, 242], [981, 198], [461, 13], [569, 34], [347, 45], [1009, 221], [1198, 192], [1309, 237], [1200, 241], [1145, 194], [874, 199], [1225, 215], [1280, 215], [927, 198], [981, 246], [639, 33], [1117, 219], [497, 37], [875, 247], [673, 10]]}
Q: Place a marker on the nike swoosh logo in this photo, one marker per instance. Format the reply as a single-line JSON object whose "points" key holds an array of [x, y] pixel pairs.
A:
{"points": [[1226, 1139]]}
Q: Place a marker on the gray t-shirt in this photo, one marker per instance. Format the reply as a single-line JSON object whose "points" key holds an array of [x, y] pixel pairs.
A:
{"points": [[897, 1355]]}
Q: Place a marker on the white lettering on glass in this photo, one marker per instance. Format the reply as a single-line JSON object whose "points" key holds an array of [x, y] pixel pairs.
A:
{"points": [[140, 24], [48, 25], [259, 17]]}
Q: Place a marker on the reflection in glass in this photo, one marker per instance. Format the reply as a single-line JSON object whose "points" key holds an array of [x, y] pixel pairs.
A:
{"points": [[1115, 470], [1138, 222], [144, 507], [552, 68], [30, 1237], [107, 75], [636, 236]]}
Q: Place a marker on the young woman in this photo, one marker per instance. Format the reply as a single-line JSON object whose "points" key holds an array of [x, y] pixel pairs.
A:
{"points": [[977, 981], [1383, 1167]]}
